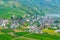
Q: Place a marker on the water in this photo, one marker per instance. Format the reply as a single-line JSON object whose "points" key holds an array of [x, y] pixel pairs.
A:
{"points": [[53, 15]]}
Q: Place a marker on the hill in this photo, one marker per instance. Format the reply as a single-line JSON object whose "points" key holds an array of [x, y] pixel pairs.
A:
{"points": [[24, 7]]}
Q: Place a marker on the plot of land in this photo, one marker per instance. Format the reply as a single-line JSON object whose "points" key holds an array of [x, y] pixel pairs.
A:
{"points": [[29, 36]]}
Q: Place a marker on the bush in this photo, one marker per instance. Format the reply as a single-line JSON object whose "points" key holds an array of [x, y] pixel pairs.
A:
{"points": [[6, 30]]}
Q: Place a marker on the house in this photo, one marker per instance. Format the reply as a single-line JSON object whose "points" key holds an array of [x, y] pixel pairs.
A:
{"points": [[4, 22], [34, 29], [14, 24], [46, 21], [56, 31]]}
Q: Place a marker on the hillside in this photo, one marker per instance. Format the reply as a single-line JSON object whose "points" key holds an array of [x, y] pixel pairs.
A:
{"points": [[23, 7]]}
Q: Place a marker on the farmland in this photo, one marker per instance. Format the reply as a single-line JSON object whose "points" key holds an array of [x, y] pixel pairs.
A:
{"points": [[27, 36]]}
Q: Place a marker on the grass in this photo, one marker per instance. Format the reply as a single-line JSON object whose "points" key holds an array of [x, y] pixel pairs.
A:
{"points": [[21, 39], [30, 36], [43, 37], [37, 36], [5, 37], [8, 12], [21, 33]]}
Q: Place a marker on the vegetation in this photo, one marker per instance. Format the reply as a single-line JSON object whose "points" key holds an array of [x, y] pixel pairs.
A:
{"points": [[21, 33], [24, 10], [6, 30], [43, 37], [6, 37], [28, 36]]}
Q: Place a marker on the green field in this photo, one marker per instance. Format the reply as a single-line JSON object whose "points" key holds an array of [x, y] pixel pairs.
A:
{"points": [[5, 37], [8, 12], [28, 36]]}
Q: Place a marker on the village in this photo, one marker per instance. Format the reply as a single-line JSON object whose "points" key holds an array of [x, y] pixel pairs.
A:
{"points": [[33, 24]]}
